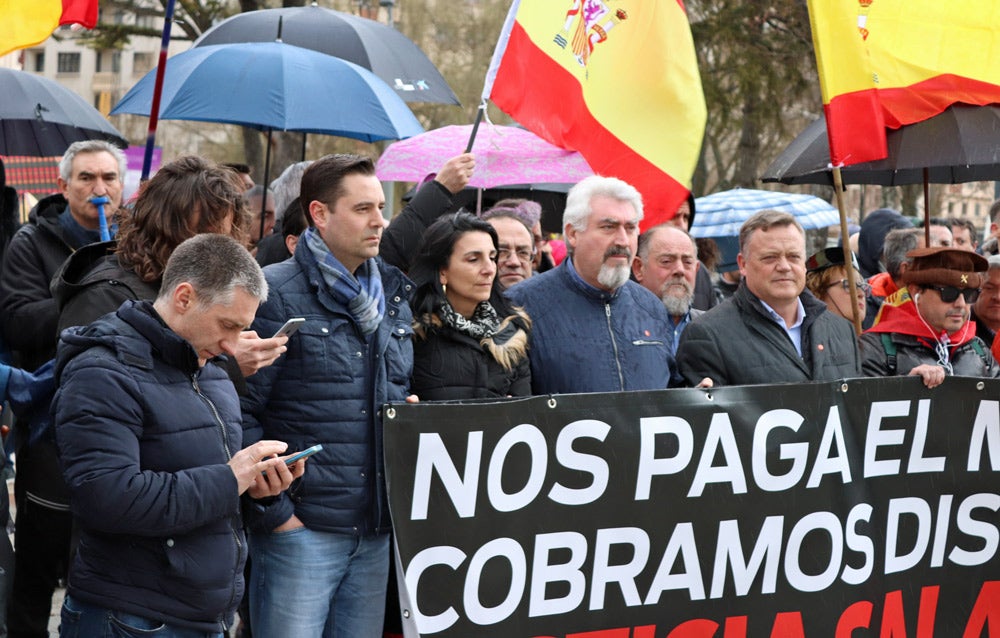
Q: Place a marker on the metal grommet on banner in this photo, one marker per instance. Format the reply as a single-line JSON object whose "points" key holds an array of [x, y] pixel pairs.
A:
{"points": [[390, 412], [708, 395], [552, 402], [843, 387], [980, 385], [406, 613]]}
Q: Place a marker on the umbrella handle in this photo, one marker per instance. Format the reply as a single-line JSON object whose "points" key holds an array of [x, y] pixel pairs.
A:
{"points": [[99, 202], [475, 126]]}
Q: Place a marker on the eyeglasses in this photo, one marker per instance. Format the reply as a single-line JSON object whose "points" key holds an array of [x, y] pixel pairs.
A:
{"points": [[523, 254], [863, 286], [951, 293]]}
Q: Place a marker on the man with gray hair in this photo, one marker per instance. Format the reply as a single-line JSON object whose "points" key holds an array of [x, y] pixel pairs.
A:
{"points": [[593, 329], [771, 330], [57, 226], [150, 437], [887, 284], [986, 310], [666, 264]]}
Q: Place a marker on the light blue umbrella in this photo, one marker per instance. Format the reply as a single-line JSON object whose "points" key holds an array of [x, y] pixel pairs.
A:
{"points": [[721, 214], [275, 86]]}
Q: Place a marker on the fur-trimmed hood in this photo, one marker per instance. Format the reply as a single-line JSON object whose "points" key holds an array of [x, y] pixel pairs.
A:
{"points": [[508, 345]]}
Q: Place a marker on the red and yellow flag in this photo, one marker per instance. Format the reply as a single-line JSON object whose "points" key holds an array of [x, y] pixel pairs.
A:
{"points": [[887, 63], [616, 80], [29, 22]]}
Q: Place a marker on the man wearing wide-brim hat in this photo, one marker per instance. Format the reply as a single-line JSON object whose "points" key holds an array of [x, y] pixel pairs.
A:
{"points": [[927, 332]]}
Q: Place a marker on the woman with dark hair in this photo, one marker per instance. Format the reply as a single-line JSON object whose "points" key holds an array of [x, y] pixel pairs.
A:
{"points": [[470, 341]]}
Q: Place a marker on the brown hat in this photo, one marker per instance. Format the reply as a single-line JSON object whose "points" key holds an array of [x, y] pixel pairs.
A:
{"points": [[943, 266]]}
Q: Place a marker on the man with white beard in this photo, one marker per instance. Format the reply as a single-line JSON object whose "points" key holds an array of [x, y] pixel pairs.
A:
{"points": [[593, 329], [666, 264]]}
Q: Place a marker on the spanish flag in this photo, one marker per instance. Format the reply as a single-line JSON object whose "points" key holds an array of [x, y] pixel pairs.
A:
{"points": [[29, 22], [616, 80], [888, 63]]}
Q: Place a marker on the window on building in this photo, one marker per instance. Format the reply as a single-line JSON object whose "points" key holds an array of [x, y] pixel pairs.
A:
{"points": [[116, 61], [39, 62], [142, 63], [68, 63]]}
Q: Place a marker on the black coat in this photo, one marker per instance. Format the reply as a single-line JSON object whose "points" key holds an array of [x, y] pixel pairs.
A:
{"points": [[91, 283], [450, 365], [145, 435], [32, 258], [737, 343]]}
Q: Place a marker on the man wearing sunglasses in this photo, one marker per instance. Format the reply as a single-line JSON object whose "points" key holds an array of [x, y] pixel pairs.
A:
{"points": [[927, 331]]}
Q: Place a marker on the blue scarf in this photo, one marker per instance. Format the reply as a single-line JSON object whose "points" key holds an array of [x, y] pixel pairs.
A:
{"points": [[362, 295]]}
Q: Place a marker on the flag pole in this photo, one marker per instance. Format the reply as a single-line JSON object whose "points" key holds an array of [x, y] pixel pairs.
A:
{"points": [[838, 188], [154, 110]]}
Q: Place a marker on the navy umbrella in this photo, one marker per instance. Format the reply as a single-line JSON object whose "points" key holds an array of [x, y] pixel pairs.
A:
{"points": [[275, 86], [41, 118], [377, 47]]}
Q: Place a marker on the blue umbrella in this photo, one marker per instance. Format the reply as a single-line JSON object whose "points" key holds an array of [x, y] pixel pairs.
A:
{"points": [[722, 214], [275, 86]]}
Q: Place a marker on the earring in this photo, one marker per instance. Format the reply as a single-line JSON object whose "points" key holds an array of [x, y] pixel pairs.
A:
{"points": [[444, 289]]}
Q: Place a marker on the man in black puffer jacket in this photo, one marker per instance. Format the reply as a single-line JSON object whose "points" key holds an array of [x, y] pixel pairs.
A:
{"points": [[149, 436]]}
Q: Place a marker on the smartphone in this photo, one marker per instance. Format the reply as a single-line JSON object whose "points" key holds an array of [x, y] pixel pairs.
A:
{"points": [[303, 454], [291, 327]]}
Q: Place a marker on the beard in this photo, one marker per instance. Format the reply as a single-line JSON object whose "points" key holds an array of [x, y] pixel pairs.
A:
{"points": [[613, 277], [677, 305]]}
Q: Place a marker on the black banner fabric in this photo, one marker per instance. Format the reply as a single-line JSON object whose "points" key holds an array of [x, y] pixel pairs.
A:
{"points": [[867, 508]]}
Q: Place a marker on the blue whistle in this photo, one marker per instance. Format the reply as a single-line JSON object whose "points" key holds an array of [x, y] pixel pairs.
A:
{"points": [[101, 218]]}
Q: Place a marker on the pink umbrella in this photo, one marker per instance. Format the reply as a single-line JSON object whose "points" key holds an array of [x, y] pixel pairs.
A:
{"points": [[504, 155]]}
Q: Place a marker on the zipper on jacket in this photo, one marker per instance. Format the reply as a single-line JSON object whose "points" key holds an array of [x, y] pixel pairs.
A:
{"points": [[225, 446], [215, 413], [614, 346]]}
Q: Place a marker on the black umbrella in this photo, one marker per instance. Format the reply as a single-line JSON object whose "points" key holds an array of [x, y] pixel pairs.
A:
{"points": [[961, 144], [551, 197], [377, 47], [41, 118]]}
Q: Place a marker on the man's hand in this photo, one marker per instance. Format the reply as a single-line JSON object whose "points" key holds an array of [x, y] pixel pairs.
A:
{"points": [[456, 172], [254, 353], [258, 469], [705, 383], [932, 374]]}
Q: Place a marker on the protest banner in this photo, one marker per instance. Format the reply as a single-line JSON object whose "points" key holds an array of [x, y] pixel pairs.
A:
{"points": [[850, 509]]}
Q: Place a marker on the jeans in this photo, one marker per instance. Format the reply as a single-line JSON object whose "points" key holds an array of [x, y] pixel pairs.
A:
{"points": [[311, 584], [83, 620]]}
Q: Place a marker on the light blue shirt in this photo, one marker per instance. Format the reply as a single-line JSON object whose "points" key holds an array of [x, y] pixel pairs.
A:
{"points": [[793, 331], [678, 327]]}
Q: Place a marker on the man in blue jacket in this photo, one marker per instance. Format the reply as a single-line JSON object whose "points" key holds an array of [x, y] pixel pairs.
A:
{"points": [[321, 552], [149, 435], [592, 329]]}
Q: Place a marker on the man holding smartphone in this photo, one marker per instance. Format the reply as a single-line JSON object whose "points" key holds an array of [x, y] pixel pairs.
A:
{"points": [[149, 436], [321, 552]]}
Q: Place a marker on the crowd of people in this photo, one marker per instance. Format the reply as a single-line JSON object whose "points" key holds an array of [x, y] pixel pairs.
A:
{"points": [[155, 408]]}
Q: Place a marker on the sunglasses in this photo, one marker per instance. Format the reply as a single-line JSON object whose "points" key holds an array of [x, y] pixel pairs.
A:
{"points": [[951, 293]]}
